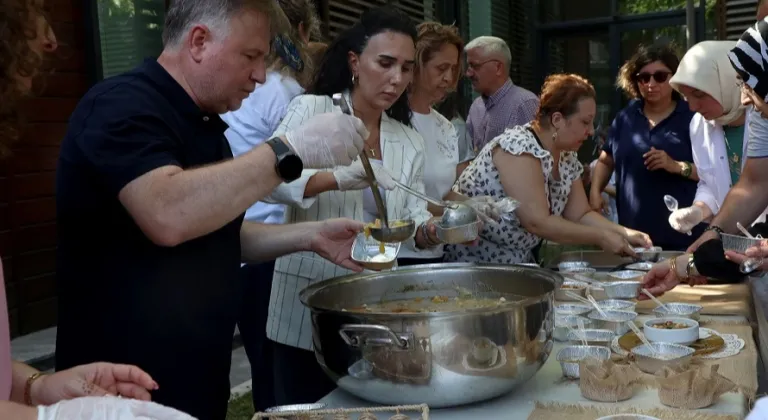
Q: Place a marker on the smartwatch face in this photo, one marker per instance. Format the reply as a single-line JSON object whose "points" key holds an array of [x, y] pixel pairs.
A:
{"points": [[290, 167]]}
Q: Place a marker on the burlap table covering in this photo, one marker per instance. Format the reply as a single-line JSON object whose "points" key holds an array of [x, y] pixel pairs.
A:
{"points": [[558, 411], [726, 299], [741, 368]]}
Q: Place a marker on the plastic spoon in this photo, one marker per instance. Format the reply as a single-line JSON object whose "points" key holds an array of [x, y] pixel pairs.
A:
{"points": [[577, 298], [641, 336], [582, 333], [597, 306], [656, 301], [671, 203], [750, 264], [585, 279]]}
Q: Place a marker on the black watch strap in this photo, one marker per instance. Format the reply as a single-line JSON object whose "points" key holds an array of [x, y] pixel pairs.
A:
{"points": [[288, 165]]}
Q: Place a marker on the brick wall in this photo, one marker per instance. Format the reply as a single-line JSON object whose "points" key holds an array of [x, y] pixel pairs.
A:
{"points": [[27, 206]]}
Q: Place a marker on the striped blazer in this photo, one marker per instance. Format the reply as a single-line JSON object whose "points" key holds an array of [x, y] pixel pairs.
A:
{"points": [[403, 153]]}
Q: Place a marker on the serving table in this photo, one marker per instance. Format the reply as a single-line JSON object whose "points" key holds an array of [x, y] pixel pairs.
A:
{"points": [[550, 396]]}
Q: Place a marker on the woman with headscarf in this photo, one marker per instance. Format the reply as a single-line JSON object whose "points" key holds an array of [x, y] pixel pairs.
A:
{"points": [[707, 80]]}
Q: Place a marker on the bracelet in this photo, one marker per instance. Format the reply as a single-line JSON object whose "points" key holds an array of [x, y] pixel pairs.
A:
{"points": [[28, 388], [715, 228], [673, 267], [690, 268]]}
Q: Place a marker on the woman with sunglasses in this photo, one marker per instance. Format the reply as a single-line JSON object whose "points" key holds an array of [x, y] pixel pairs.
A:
{"points": [[710, 85], [649, 148]]}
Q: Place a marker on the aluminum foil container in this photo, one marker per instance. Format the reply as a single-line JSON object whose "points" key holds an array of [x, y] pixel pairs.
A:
{"points": [[584, 271], [625, 289], [641, 266], [567, 265], [296, 407], [366, 252], [617, 304], [738, 243], [615, 320], [594, 337], [667, 354], [458, 234], [580, 289], [648, 254], [572, 309], [680, 310], [569, 357], [563, 324]]}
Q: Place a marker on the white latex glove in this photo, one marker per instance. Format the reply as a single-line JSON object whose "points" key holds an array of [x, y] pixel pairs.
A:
{"points": [[685, 219], [491, 209], [353, 177], [759, 411], [109, 408], [328, 140]]}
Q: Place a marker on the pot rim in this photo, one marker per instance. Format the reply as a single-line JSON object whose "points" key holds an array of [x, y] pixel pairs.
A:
{"points": [[309, 291]]}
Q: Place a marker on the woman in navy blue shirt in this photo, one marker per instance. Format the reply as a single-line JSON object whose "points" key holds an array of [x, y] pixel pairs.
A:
{"points": [[649, 147]]}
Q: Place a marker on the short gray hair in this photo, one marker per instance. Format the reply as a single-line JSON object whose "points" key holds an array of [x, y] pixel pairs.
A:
{"points": [[492, 45], [183, 14]]}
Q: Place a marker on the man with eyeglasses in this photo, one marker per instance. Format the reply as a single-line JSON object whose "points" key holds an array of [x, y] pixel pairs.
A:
{"points": [[501, 104]]}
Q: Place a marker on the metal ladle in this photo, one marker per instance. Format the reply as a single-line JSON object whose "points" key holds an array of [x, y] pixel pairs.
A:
{"points": [[405, 228]]}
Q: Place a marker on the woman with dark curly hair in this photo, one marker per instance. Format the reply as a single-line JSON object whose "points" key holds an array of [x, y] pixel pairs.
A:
{"points": [[25, 393], [649, 148], [25, 36]]}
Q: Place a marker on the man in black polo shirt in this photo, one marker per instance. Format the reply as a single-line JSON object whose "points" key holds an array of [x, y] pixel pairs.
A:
{"points": [[150, 205]]}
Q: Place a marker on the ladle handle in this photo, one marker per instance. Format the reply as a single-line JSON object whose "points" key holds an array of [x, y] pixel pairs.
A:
{"points": [[341, 101], [424, 197]]}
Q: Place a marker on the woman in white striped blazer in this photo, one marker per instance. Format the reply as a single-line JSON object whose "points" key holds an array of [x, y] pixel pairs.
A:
{"points": [[372, 64]]}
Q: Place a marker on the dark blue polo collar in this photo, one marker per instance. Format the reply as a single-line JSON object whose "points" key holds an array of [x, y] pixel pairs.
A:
{"points": [[637, 106], [171, 89]]}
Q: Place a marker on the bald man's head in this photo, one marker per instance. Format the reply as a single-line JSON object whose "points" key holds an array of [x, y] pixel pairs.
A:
{"points": [[762, 9]]}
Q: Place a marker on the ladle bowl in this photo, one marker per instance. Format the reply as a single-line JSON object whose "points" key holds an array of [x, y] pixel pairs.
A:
{"points": [[460, 215], [398, 231]]}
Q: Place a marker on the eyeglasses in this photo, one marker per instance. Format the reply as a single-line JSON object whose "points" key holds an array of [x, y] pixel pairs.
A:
{"points": [[476, 66], [660, 76]]}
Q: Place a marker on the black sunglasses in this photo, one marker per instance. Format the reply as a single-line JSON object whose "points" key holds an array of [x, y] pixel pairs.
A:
{"points": [[660, 76]]}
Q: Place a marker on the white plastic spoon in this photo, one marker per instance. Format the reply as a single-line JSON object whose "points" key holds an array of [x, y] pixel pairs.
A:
{"points": [[656, 301], [671, 203], [641, 336], [750, 264]]}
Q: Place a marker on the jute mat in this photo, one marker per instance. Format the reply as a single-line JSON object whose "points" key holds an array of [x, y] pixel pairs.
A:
{"points": [[725, 299], [558, 411], [741, 368]]}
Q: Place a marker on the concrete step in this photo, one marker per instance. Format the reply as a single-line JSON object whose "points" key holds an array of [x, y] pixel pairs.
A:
{"points": [[37, 350]]}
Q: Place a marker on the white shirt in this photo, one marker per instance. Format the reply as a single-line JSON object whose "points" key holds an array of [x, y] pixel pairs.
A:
{"points": [[441, 144], [253, 124], [710, 156], [403, 155]]}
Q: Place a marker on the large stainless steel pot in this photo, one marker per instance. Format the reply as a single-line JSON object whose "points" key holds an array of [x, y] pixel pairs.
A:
{"points": [[442, 359]]}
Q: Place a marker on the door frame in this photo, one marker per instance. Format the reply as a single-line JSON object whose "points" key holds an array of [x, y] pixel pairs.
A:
{"points": [[613, 27]]}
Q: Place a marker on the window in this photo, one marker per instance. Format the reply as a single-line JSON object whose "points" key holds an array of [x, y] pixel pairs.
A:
{"points": [[344, 13], [129, 31]]}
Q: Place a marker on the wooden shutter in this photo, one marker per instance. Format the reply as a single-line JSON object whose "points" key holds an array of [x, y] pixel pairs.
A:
{"points": [[129, 31], [739, 15], [344, 13]]}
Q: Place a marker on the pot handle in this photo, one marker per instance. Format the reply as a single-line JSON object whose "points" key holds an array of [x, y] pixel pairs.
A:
{"points": [[403, 341]]}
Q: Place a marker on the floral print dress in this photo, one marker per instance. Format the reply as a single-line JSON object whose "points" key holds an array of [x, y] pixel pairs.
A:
{"points": [[507, 242]]}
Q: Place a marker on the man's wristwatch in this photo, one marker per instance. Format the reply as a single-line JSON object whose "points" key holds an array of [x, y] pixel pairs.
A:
{"points": [[288, 164], [687, 170]]}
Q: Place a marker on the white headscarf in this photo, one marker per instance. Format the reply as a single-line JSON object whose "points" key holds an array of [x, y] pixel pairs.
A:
{"points": [[706, 67]]}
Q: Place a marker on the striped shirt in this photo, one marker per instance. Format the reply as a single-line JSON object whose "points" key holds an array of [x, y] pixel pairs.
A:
{"points": [[508, 107], [402, 149]]}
